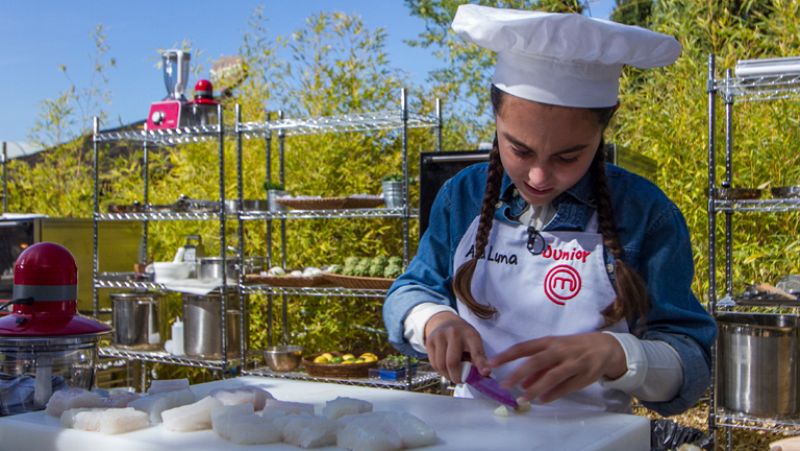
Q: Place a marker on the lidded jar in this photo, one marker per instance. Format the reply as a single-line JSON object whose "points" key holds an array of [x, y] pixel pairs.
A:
{"points": [[45, 345]]}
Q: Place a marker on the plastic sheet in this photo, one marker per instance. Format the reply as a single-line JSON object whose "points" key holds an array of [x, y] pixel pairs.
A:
{"points": [[666, 435]]}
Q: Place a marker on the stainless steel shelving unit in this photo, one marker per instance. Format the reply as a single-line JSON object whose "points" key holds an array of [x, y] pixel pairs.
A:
{"points": [[400, 119], [153, 139], [423, 379], [737, 90]]}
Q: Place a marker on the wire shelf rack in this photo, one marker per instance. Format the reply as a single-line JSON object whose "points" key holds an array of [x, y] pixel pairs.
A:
{"points": [[181, 135], [315, 291], [760, 205], [744, 421], [157, 216], [759, 88], [382, 120], [423, 379], [163, 357], [329, 214]]}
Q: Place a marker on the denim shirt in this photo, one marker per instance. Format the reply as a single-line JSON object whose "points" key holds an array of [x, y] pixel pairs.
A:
{"points": [[652, 232]]}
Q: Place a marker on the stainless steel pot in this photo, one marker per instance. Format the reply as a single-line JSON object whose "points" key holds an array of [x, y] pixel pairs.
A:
{"points": [[136, 320], [211, 268], [759, 364], [201, 325]]}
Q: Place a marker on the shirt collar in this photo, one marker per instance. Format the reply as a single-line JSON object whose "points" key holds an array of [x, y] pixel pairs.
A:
{"points": [[573, 207]]}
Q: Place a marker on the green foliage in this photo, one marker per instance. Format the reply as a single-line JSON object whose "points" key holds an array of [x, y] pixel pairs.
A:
{"points": [[632, 12]]}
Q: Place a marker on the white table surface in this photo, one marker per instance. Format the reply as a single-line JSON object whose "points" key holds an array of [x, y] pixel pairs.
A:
{"points": [[461, 424]]}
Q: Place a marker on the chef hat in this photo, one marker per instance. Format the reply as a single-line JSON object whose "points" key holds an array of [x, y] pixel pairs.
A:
{"points": [[561, 59]]}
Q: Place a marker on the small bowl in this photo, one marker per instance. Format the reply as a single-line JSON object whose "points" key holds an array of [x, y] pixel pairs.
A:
{"points": [[172, 270], [283, 358]]}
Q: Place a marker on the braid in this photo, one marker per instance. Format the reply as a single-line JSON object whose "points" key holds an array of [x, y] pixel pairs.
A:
{"points": [[462, 282], [632, 301]]}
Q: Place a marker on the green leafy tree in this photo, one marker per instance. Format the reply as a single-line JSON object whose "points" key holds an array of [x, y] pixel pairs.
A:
{"points": [[632, 12]]}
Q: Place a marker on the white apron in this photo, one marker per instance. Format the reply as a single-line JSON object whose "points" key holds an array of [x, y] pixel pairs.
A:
{"points": [[562, 291]]}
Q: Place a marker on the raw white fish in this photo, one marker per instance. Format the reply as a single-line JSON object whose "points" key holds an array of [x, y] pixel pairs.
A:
{"points": [[106, 421], [72, 398], [342, 406], [191, 417], [154, 405], [121, 398], [413, 431], [165, 385], [309, 431], [369, 434], [68, 417], [288, 407], [254, 430], [240, 395], [383, 431], [221, 418]]}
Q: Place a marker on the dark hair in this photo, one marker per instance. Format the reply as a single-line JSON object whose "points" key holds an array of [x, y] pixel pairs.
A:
{"points": [[631, 302]]}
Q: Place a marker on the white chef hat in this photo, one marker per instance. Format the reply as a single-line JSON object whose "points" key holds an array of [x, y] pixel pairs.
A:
{"points": [[561, 59]]}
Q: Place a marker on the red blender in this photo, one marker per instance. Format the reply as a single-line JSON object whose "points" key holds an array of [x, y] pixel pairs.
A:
{"points": [[204, 107], [172, 112], [45, 345]]}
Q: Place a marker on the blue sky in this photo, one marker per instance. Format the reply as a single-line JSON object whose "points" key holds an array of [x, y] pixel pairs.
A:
{"points": [[37, 36]]}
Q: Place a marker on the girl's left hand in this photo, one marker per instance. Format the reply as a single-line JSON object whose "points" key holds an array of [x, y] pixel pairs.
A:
{"points": [[559, 365]]}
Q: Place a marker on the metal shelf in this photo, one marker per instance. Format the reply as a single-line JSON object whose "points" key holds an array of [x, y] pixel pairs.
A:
{"points": [[157, 216], [181, 135], [759, 88], [381, 120], [762, 205], [315, 291], [423, 379], [163, 357], [744, 421], [329, 214]]}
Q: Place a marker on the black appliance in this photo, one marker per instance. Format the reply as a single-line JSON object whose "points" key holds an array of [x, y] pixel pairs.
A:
{"points": [[434, 169]]}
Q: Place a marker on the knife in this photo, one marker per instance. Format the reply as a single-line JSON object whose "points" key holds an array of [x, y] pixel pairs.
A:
{"points": [[486, 385]]}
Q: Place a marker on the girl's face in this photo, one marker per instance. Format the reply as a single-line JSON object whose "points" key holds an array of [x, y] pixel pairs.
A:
{"points": [[545, 149]]}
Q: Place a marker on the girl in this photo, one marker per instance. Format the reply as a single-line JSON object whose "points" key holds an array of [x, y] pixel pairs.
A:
{"points": [[566, 278]]}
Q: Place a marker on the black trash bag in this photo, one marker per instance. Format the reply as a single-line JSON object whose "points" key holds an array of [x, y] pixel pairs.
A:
{"points": [[668, 435]]}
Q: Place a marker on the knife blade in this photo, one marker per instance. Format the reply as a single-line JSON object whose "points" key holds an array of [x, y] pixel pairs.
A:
{"points": [[486, 385]]}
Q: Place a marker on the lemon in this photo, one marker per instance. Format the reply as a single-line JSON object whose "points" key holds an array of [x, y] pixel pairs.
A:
{"points": [[321, 359], [348, 362], [327, 355], [369, 355], [359, 360], [348, 357], [368, 358]]}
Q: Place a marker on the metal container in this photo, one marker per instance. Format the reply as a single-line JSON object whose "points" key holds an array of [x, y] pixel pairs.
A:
{"points": [[209, 268], [392, 193], [283, 358], [759, 364], [136, 320], [201, 329]]}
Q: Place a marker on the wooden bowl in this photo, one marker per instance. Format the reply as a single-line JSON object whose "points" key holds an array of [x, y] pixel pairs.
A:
{"points": [[337, 370]]}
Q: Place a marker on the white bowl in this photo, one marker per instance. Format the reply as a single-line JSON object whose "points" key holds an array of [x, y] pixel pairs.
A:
{"points": [[172, 270]]}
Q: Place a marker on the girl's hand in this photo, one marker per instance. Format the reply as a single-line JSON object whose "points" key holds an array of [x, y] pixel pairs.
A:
{"points": [[557, 366], [447, 338]]}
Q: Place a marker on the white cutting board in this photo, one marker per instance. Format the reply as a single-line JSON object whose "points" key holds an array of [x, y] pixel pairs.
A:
{"points": [[461, 424]]}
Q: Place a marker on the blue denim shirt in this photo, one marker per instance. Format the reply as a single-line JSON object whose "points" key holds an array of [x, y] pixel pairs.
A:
{"points": [[651, 230]]}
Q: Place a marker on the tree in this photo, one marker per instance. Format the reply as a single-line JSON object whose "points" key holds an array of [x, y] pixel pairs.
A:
{"points": [[632, 12]]}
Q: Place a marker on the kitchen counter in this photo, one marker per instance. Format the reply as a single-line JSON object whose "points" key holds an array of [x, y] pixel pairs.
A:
{"points": [[461, 424]]}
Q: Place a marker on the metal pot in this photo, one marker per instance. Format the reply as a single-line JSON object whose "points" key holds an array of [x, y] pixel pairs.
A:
{"points": [[759, 364], [201, 325], [136, 320], [209, 268]]}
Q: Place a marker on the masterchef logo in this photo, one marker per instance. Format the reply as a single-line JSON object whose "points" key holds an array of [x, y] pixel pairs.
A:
{"points": [[562, 283]]}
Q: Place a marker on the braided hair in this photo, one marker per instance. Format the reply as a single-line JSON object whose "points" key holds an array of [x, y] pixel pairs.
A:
{"points": [[631, 302]]}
